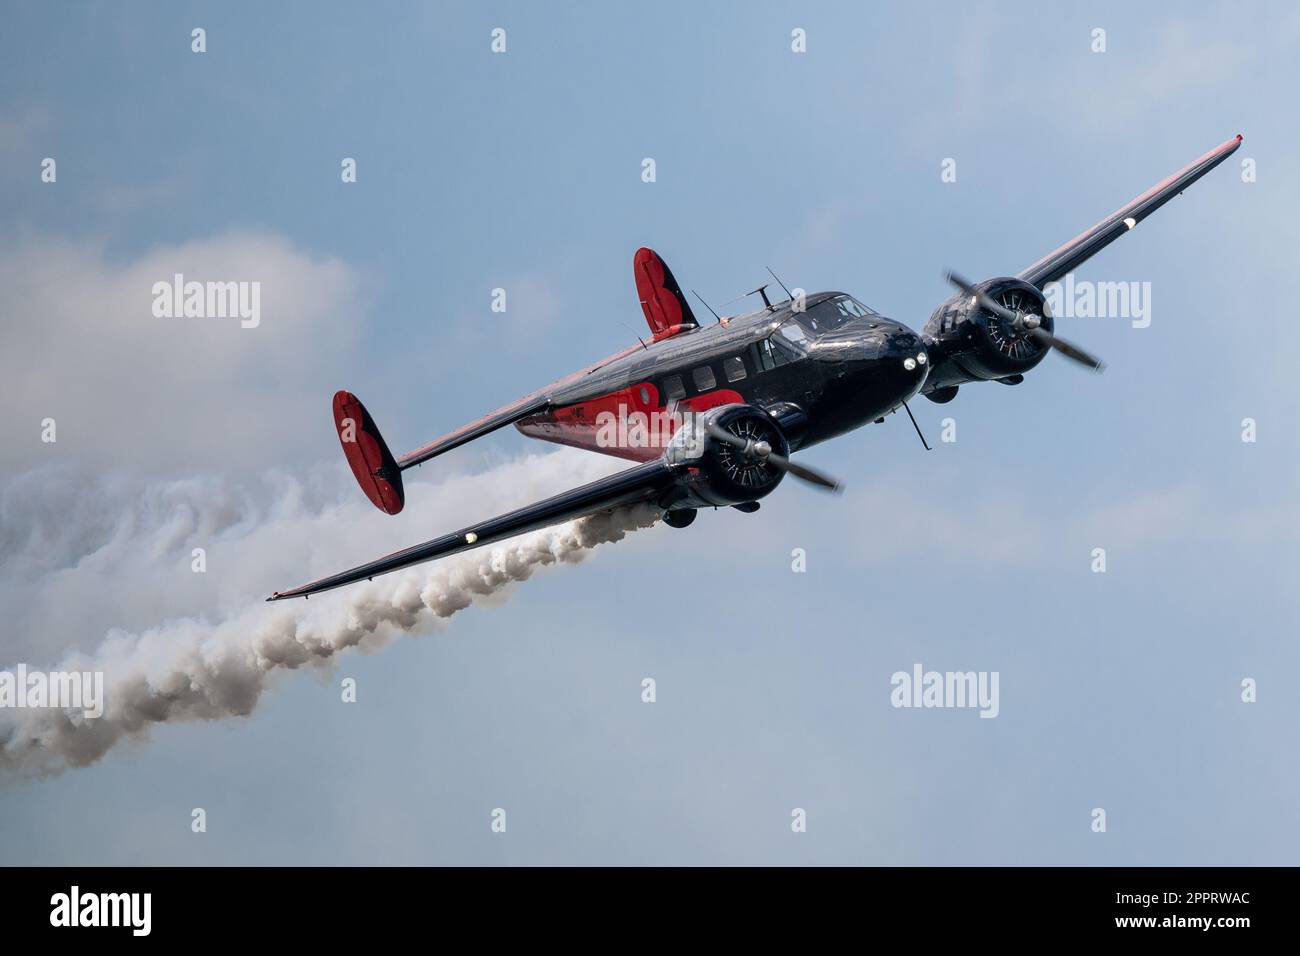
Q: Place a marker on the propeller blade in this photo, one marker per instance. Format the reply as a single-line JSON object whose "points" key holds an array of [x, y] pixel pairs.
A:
{"points": [[802, 472], [1039, 334], [810, 475], [1068, 349], [985, 302]]}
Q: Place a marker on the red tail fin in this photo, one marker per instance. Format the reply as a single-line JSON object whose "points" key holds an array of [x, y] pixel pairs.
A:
{"points": [[666, 310], [371, 461]]}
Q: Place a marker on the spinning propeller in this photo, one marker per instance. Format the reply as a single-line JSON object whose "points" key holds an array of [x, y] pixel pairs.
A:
{"points": [[1028, 324], [762, 451]]}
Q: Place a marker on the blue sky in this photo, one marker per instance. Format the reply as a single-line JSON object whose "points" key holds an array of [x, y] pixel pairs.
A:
{"points": [[522, 171]]}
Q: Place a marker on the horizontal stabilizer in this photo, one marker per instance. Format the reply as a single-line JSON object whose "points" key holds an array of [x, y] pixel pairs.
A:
{"points": [[506, 415]]}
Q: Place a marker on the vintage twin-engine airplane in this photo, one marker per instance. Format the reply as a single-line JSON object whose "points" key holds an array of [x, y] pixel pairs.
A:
{"points": [[712, 413]]}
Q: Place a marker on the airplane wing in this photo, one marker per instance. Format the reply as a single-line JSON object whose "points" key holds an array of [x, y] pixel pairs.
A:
{"points": [[644, 483], [1084, 246]]}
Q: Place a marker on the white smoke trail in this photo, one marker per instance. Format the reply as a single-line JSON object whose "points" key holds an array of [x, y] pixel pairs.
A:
{"points": [[193, 669]]}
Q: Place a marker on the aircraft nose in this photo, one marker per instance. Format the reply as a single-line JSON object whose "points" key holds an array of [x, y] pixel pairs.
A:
{"points": [[906, 349]]}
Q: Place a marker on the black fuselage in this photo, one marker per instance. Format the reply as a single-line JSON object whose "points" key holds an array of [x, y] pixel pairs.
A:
{"points": [[820, 370]]}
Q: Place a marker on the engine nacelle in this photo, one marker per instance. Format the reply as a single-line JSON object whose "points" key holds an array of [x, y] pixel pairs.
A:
{"points": [[968, 344], [721, 474]]}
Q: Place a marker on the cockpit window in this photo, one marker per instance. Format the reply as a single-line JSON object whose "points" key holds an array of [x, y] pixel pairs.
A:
{"points": [[793, 333], [777, 349], [854, 307], [834, 312]]}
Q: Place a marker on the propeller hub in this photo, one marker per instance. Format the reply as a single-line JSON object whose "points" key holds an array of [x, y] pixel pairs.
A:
{"points": [[1012, 317], [745, 457]]}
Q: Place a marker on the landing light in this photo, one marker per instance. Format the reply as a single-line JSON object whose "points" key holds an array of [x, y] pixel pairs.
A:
{"points": [[909, 363], [921, 358]]}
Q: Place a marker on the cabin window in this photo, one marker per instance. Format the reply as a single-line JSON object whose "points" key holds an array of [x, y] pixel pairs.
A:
{"points": [[704, 380], [645, 395], [733, 368], [673, 388]]}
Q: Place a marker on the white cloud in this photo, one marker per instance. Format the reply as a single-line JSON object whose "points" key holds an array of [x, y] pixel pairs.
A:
{"points": [[129, 389]]}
